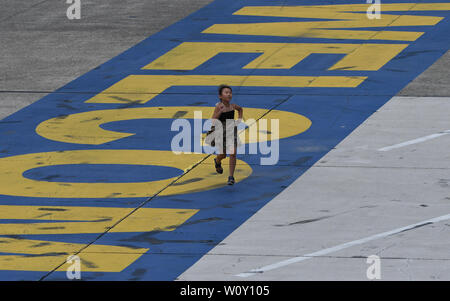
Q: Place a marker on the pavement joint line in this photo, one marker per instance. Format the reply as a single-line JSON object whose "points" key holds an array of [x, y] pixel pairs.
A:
{"points": [[273, 255], [146, 201], [340, 247], [414, 141], [331, 257], [132, 211]]}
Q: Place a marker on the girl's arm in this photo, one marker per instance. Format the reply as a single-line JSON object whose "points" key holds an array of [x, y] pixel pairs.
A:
{"points": [[240, 111], [217, 112]]}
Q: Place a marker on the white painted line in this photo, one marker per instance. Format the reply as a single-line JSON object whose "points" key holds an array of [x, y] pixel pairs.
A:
{"points": [[414, 141], [339, 247]]}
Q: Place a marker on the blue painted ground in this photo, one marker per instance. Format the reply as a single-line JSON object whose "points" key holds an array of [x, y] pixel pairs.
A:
{"points": [[334, 112]]}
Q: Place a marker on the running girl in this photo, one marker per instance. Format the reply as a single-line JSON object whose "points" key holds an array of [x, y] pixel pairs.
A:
{"points": [[228, 141]]}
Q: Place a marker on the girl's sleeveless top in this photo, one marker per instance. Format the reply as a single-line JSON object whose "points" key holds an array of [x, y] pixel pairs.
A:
{"points": [[226, 115]]}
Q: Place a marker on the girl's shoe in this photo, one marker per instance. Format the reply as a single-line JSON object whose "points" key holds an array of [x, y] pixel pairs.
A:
{"points": [[219, 168], [230, 180]]}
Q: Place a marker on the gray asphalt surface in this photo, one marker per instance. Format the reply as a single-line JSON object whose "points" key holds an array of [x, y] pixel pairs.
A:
{"points": [[42, 50]]}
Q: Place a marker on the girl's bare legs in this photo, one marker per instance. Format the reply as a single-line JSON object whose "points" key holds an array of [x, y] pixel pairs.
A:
{"points": [[232, 163], [220, 157], [232, 167]]}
